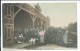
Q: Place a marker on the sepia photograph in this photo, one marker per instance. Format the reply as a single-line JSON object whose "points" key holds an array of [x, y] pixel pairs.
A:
{"points": [[39, 26]]}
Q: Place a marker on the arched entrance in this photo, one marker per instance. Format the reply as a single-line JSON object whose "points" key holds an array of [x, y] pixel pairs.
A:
{"points": [[14, 18], [22, 22]]}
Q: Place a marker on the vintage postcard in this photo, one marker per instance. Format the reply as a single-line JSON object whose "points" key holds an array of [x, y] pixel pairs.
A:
{"points": [[39, 26]]}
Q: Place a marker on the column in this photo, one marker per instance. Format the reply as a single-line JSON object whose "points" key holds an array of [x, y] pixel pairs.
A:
{"points": [[8, 25], [33, 19]]}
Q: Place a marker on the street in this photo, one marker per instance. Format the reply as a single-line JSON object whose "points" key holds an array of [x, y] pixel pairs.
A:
{"points": [[42, 47]]}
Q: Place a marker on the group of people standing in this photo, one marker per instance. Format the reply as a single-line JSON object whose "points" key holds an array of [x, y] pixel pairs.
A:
{"points": [[32, 35]]}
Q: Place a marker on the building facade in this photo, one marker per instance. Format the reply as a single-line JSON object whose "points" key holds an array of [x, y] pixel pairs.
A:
{"points": [[20, 16]]}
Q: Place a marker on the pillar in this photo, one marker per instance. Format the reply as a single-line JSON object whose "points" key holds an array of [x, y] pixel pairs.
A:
{"points": [[33, 19], [8, 25]]}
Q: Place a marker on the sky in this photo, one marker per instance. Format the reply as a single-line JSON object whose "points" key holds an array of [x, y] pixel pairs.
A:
{"points": [[60, 14]]}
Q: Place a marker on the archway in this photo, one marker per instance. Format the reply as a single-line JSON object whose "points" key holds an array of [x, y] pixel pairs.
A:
{"points": [[22, 22]]}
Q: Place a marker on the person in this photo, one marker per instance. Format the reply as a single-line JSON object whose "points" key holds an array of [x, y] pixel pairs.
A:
{"points": [[20, 38], [41, 34], [34, 40], [27, 35], [16, 40]]}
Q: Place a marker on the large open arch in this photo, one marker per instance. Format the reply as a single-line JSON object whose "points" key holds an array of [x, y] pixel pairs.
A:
{"points": [[22, 20]]}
